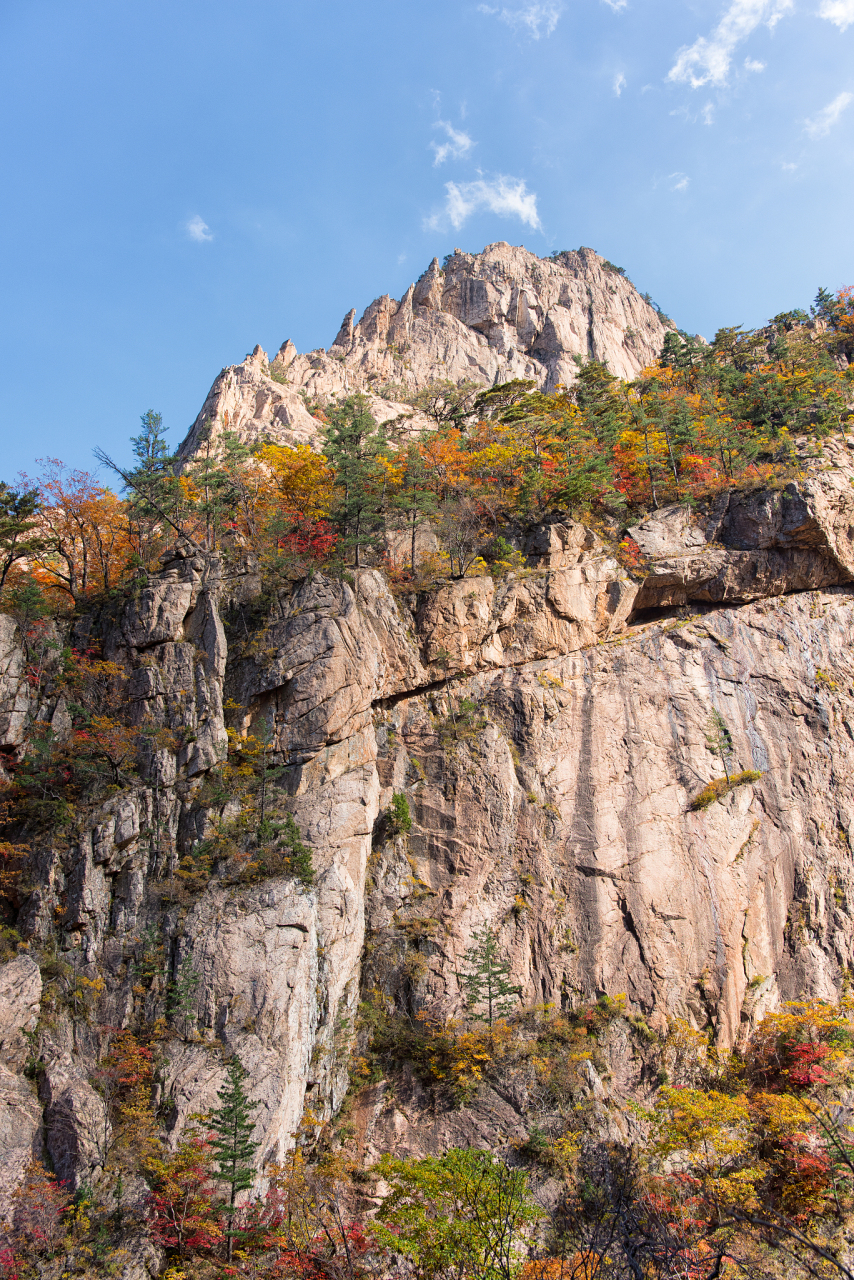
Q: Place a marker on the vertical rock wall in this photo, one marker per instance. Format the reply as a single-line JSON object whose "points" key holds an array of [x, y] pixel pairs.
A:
{"points": [[549, 733]]}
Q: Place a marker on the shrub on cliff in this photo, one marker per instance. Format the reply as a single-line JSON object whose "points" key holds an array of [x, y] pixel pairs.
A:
{"points": [[720, 787], [398, 817]]}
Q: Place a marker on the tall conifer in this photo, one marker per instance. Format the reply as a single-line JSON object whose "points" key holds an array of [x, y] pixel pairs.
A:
{"points": [[486, 982], [353, 445], [19, 536], [233, 1147]]}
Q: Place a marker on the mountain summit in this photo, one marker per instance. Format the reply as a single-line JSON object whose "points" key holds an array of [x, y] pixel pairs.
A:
{"points": [[486, 317]]}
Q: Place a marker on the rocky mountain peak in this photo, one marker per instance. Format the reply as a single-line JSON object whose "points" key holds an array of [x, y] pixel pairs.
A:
{"points": [[486, 317]]}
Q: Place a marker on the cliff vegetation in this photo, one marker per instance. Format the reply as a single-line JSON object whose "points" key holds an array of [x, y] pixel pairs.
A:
{"points": [[428, 854]]}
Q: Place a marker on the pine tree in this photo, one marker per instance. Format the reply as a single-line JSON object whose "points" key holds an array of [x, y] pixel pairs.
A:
{"points": [[181, 997], [486, 983], [18, 525], [155, 489], [233, 1146], [447, 403], [354, 445], [827, 307], [154, 470], [415, 501], [680, 350], [298, 853], [590, 436], [597, 393], [508, 400], [719, 740]]}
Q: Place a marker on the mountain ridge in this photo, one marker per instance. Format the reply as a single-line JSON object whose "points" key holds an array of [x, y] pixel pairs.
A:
{"points": [[486, 318]]}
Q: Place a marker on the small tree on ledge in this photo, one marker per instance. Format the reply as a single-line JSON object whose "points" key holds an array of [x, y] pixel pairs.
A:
{"points": [[486, 983], [719, 740]]}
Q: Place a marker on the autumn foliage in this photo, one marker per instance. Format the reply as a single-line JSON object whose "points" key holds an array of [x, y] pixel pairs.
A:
{"points": [[706, 417], [734, 1158]]}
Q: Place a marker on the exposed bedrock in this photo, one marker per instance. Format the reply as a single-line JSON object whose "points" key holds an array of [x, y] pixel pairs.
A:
{"points": [[566, 823], [752, 545], [549, 734]]}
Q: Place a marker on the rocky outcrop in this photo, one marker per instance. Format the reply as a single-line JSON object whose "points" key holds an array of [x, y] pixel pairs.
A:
{"points": [[15, 699], [565, 820], [75, 1118], [549, 734], [20, 999], [258, 962], [484, 318], [173, 639], [752, 545], [478, 623]]}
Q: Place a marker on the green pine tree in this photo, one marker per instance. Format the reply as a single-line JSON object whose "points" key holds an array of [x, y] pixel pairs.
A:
{"points": [[18, 527], [415, 502], [354, 445], [233, 1145], [298, 853], [589, 442], [719, 740], [681, 350], [155, 488], [486, 982], [507, 401], [447, 403], [181, 996], [597, 393], [153, 483], [827, 307]]}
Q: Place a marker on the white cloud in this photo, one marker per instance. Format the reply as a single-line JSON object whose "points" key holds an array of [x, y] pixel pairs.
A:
{"points": [[617, 5], [707, 60], [789, 167], [841, 12], [198, 230], [539, 18], [753, 64], [828, 116], [619, 83], [680, 181], [459, 144], [508, 197], [709, 113]]}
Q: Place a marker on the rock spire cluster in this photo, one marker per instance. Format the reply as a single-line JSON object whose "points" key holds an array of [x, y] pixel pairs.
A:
{"points": [[487, 317]]}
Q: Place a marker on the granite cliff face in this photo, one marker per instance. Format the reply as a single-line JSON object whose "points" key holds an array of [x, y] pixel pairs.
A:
{"points": [[486, 317], [554, 804]]}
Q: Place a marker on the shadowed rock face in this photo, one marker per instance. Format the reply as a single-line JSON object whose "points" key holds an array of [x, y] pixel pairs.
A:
{"points": [[554, 805], [485, 317]]}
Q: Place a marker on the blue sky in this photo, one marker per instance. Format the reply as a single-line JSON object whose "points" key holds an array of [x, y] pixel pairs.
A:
{"points": [[183, 179]]}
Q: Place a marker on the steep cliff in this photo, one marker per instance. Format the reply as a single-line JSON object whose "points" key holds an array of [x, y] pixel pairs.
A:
{"points": [[487, 317], [549, 731]]}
